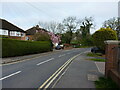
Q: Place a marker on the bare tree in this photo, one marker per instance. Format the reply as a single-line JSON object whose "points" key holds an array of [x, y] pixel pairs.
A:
{"points": [[60, 28], [70, 25], [50, 26], [44, 25], [112, 23]]}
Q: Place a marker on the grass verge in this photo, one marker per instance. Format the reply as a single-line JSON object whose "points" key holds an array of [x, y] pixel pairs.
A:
{"points": [[95, 59], [105, 83], [94, 54]]}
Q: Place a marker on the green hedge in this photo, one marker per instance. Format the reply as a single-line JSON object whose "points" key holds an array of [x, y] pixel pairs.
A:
{"points": [[12, 47], [102, 35]]}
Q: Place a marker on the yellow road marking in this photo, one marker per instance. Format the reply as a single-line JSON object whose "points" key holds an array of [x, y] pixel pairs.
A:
{"points": [[57, 75], [53, 77]]}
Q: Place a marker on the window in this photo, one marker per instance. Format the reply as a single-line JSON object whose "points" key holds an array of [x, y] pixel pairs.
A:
{"points": [[22, 34], [18, 33], [3, 32], [12, 33]]}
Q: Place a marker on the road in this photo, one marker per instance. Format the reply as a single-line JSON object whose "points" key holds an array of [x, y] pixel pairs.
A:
{"points": [[33, 73]]}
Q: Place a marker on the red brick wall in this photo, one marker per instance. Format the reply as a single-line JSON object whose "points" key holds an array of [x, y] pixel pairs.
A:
{"points": [[18, 38], [30, 37], [14, 37], [115, 76], [111, 64], [111, 53]]}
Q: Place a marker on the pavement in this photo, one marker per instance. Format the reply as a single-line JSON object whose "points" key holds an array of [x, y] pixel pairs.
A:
{"points": [[25, 57], [81, 73]]}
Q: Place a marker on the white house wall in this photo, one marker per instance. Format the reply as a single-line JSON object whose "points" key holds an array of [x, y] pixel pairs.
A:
{"points": [[3, 32], [12, 33]]}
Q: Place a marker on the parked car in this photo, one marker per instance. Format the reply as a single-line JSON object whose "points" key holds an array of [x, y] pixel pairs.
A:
{"points": [[97, 50], [62, 46], [58, 47]]}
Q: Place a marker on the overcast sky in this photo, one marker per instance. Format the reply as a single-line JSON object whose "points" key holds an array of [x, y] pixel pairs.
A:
{"points": [[28, 14]]}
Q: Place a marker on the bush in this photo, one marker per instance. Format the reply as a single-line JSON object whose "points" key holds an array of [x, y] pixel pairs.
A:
{"points": [[12, 47], [41, 36], [88, 41], [102, 35], [105, 83]]}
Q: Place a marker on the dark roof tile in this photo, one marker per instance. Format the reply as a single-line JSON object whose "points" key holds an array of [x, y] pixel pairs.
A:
{"points": [[9, 26]]}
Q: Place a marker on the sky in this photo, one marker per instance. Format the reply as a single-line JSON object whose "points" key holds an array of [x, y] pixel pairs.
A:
{"points": [[26, 14]]}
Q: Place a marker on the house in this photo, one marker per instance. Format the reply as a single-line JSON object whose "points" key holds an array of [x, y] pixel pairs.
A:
{"points": [[30, 32], [9, 30], [54, 37]]}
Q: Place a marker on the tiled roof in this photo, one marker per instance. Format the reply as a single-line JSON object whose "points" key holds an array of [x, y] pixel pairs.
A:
{"points": [[9, 26], [32, 30]]}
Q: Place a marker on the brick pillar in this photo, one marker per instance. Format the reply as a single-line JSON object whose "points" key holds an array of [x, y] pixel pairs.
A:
{"points": [[109, 54]]}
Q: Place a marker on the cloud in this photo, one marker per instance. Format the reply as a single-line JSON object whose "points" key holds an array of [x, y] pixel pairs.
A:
{"points": [[60, 0], [26, 15]]}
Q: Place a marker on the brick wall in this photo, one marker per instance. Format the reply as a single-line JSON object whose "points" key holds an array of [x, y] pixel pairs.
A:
{"points": [[18, 38], [30, 37], [111, 64]]}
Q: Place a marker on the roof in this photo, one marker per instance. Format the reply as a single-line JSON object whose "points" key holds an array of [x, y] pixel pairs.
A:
{"points": [[32, 30], [4, 24]]}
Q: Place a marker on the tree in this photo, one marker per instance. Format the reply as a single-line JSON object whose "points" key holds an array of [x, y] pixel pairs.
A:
{"points": [[51, 26], [83, 34], [102, 35], [44, 25], [113, 23], [60, 28], [85, 27], [66, 37], [70, 25]]}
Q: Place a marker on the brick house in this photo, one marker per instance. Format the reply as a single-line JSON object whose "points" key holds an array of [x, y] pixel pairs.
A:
{"points": [[54, 37], [30, 32], [9, 30]]}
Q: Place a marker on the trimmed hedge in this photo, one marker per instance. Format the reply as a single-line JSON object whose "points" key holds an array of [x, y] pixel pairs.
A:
{"points": [[102, 35], [12, 47]]}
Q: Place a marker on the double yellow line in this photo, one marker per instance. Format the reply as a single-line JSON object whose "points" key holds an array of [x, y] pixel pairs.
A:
{"points": [[48, 82]]}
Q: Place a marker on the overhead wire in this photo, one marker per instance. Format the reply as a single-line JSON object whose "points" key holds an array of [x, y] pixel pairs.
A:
{"points": [[39, 10]]}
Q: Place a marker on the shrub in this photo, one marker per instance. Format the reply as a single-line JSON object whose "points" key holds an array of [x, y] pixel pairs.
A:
{"points": [[41, 36], [12, 47], [105, 83], [87, 41], [102, 35]]}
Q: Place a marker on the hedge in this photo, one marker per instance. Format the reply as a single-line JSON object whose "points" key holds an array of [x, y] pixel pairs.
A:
{"points": [[102, 35], [12, 47]]}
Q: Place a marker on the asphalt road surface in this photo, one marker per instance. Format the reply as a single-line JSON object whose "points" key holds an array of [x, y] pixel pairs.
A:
{"points": [[33, 73]]}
